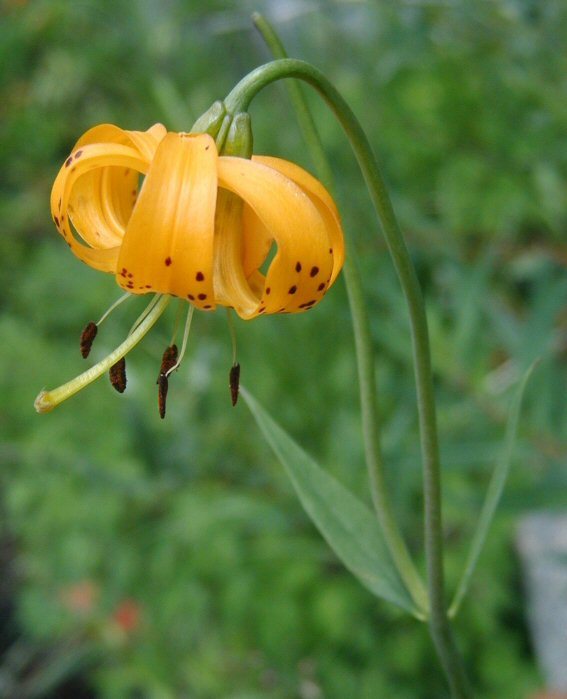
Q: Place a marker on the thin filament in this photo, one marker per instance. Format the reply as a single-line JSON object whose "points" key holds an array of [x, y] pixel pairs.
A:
{"points": [[180, 308], [143, 315], [184, 342], [114, 305], [232, 332]]}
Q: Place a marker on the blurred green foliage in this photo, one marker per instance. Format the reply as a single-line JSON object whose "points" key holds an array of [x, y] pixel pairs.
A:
{"points": [[172, 559]]}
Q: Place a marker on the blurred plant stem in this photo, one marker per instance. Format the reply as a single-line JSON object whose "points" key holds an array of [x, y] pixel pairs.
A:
{"points": [[364, 353], [238, 100]]}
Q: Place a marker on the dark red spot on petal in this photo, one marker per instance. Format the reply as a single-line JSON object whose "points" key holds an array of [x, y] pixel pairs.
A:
{"points": [[200, 277], [69, 161], [321, 286], [292, 289], [78, 154], [168, 261], [190, 297], [202, 297], [314, 271], [268, 291], [298, 267], [207, 306]]}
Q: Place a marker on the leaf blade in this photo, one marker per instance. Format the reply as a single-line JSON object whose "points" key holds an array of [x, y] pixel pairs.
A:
{"points": [[346, 523], [494, 491]]}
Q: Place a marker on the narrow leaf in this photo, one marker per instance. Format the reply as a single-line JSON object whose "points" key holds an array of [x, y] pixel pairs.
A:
{"points": [[347, 524], [494, 492]]}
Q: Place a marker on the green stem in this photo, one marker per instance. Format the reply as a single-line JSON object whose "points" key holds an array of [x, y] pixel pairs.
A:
{"points": [[239, 100], [364, 353]]}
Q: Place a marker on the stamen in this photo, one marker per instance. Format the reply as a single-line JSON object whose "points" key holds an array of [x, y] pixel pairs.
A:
{"points": [[232, 331], [171, 360], [163, 385], [117, 374], [234, 383], [234, 376], [180, 309], [168, 359], [87, 338], [47, 400], [91, 329], [167, 362], [114, 305], [184, 342], [144, 314]]}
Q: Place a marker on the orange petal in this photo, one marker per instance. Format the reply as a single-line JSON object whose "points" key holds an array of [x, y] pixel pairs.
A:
{"points": [[168, 244], [322, 200], [102, 199], [299, 274], [101, 239], [257, 241], [101, 203], [230, 283], [145, 142]]}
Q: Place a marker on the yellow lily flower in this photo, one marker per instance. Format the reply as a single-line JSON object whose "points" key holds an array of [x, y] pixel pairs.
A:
{"points": [[167, 215], [181, 233]]}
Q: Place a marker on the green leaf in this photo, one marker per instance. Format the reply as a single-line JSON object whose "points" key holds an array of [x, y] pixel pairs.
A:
{"points": [[494, 492], [347, 524]]}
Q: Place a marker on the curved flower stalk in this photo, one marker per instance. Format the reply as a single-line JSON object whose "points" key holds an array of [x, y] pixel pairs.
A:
{"points": [[440, 628], [166, 214]]}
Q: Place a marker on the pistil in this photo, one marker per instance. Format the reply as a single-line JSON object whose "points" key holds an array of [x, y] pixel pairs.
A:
{"points": [[47, 400]]}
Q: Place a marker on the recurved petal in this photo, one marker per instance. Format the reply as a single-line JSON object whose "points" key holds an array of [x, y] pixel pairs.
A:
{"points": [[257, 241], [168, 244], [91, 216], [322, 200], [145, 142], [299, 274], [102, 199], [231, 285], [101, 203]]}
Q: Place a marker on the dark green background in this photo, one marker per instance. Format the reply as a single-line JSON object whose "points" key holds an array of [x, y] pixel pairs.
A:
{"points": [[191, 519]]}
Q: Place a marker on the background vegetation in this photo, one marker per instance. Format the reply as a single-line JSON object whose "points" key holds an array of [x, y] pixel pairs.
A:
{"points": [[143, 558]]}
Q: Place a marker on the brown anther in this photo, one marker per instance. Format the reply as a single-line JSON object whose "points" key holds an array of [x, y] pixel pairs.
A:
{"points": [[117, 375], [87, 338], [168, 359], [163, 385], [234, 383]]}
